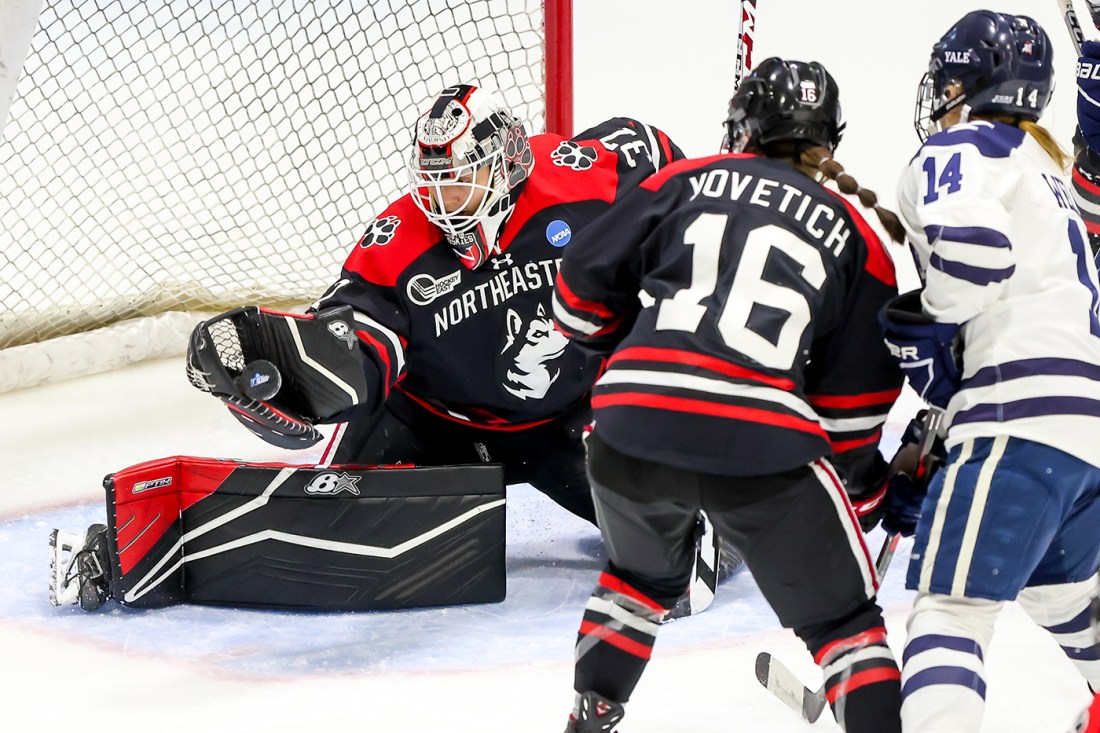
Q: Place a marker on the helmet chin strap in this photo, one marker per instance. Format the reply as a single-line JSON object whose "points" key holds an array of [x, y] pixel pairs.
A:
{"points": [[477, 245]]}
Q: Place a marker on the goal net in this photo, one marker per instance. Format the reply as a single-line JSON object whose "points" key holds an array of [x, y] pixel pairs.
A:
{"points": [[196, 155]]}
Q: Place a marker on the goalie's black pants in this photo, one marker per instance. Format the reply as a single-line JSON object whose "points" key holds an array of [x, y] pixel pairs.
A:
{"points": [[801, 541], [549, 456]]}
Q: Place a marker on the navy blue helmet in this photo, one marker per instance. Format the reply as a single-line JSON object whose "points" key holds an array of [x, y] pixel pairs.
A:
{"points": [[785, 100], [1001, 64]]}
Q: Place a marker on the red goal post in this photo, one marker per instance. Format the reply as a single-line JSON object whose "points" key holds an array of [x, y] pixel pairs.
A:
{"points": [[165, 159]]}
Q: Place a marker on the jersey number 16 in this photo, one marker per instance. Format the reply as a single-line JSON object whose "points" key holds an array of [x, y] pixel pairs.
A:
{"points": [[684, 310]]}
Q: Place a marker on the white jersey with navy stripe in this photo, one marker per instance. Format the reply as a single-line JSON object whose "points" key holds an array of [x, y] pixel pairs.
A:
{"points": [[1002, 250]]}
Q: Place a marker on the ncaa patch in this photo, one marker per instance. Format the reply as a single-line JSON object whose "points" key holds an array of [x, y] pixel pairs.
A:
{"points": [[558, 233]]}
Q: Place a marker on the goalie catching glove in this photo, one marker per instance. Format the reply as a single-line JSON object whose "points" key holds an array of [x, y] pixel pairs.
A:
{"points": [[279, 373]]}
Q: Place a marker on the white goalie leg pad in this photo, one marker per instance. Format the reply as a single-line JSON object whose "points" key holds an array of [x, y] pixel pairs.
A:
{"points": [[64, 579], [1065, 611], [943, 667]]}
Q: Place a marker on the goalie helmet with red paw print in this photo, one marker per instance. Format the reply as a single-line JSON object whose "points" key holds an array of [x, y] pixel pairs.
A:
{"points": [[470, 160]]}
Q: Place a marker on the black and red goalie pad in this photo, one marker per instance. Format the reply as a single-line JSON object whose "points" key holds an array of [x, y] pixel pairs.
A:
{"points": [[224, 532]]}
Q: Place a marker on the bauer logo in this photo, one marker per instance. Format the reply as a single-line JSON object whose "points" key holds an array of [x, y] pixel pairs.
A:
{"points": [[141, 486], [558, 233], [423, 288], [329, 484]]}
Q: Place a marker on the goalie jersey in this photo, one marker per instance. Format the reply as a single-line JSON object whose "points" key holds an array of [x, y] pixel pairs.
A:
{"points": [[1003, 251], [757, 320], [478, 346]]}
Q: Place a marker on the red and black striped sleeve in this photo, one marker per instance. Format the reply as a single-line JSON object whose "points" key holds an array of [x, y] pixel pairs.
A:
{"points": [[596, 291], [853, 381]]}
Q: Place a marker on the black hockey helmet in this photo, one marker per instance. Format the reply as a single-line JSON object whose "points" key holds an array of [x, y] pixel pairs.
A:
{"points": [[1001, 64], [785, 100]]}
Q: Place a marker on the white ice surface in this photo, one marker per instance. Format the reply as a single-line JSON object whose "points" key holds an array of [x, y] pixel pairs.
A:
{"points": [[496, 668], [499, 667]]}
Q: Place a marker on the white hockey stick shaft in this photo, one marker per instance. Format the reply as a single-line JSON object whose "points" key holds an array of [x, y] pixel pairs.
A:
{"points": [[1069, 15], [746, 38]]}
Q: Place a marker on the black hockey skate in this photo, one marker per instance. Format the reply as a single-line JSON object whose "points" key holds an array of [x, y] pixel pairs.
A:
{"points": [[80, 567], [597, 715]]}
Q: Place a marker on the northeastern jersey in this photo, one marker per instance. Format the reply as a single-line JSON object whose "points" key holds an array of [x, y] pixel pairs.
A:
{"points": [[478, 346], [1002, 250], [755, 347]]}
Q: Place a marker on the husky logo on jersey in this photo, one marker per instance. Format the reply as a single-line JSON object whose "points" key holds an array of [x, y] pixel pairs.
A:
{"points": [[333, 483], [340, 330], [423, 288], [380, 232], [528, 349], [571, 155], [141, 486], [956, 57], [809, 91]]}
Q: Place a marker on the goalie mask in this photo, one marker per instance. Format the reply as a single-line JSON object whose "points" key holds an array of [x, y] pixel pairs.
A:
{"points": [[470, 160], [992, 63], [785, 101]]}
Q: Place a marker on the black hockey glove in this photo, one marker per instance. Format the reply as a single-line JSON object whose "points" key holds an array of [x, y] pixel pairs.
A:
{"points": [[910, 475], [926, 349], [278, 373]]}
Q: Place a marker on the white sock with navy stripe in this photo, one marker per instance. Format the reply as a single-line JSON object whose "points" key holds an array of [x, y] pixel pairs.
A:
{"points": [[1065, 611], [943, 669]]}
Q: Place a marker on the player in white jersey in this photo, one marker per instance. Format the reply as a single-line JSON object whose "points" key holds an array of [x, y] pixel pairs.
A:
{"points": [[1005, 337]]}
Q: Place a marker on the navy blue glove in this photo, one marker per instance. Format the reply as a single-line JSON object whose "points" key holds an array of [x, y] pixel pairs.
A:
{"points": [[910, 475], [1088, 94], [925, 348]]}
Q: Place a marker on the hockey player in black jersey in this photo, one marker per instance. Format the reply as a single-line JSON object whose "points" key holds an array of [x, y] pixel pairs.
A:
{"points": [[436, 345], [451, 285], [737, 299], [449, 290]]}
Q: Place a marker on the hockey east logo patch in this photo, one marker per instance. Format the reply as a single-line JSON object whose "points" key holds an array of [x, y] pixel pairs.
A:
{"points": [[423, 288], [330, 484], [573, 156], [380, 232]]}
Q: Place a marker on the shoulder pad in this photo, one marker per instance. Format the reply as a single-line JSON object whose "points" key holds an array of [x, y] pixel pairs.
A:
{"points": [[992, 140], [391, 242]]}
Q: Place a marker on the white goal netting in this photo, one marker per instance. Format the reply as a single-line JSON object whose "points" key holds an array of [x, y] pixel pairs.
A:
{"points": [[196, 155]]}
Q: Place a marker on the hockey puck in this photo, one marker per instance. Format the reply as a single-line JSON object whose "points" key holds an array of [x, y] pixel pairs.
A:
{"points": [[260, 380]]}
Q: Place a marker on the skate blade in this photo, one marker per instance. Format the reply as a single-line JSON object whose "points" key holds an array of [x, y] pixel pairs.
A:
{"points": [[64, 581]]}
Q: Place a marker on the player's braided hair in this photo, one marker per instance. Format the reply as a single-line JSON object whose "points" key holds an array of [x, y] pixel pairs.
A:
{"points": [[820, 158]]}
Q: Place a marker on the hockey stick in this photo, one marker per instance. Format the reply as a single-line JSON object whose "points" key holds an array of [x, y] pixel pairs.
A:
{"points": [[746, 37], [772, 673], [1069, 15]]}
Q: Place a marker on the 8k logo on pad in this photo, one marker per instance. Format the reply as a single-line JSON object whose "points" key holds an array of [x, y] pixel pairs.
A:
{"points": [[558, 233]]}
